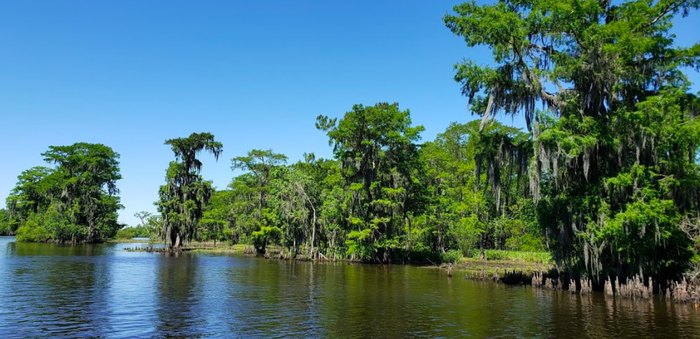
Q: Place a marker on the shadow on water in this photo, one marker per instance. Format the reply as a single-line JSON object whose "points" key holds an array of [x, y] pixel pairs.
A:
{"points": [[267, 297], [341, 300], [597, 316], [409, 301], [54, 250]]}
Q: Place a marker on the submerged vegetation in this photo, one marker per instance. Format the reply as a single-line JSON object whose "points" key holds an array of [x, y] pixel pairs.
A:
{"points": [[605, 177]]}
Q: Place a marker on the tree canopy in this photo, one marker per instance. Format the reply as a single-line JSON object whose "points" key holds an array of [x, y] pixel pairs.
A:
{"points": [[74, 201], [385, 197], [378, 156], [184, 196], [606, 174], [613, 169]]}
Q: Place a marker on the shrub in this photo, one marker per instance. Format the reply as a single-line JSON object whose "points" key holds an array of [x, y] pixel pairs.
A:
{"points": [[32, 231], [265, 236], [451, 256]]}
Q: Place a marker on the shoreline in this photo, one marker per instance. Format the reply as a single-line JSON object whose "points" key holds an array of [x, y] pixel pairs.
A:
{"points": [[506, 270], [469, 267]]}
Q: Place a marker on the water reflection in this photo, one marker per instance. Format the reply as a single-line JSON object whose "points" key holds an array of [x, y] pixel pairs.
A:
{"points": [[104, 291], [178, 293], [53, 250], [598, 316], [132, 310], [272, 297], [36, 289]]}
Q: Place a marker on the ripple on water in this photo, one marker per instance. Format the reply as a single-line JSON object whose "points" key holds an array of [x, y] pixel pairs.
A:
{"points": [[105, 291]]}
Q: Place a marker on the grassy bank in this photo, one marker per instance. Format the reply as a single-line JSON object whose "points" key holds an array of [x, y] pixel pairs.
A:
{"points": [[192, 247], [493, 265], [517, 256], [130, 241], [496, 263], [219, 248]]}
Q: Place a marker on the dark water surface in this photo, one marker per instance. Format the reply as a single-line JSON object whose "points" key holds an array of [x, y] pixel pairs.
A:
{"points": [[102, 290]]}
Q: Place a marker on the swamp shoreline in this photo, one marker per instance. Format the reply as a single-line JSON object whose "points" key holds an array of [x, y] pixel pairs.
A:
{"points": [[507, 267]]}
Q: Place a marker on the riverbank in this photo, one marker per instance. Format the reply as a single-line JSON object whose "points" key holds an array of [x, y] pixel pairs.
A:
{"points": [[495, 264], [509, 267], [129, 241], [506, 267], [104, 291], [193, 247]]}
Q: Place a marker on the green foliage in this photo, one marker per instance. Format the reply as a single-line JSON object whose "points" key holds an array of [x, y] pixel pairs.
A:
{"points": [[265, 236], [296, 201], [129, 232], [185, 194], [252, 191], [361, 243], [75, 201], [613, 171], [384, 198], [32, 231], [522, 256], [451, 256], [6, 227], [379, 162], [476, 197], [217, 219], [50, 225]]}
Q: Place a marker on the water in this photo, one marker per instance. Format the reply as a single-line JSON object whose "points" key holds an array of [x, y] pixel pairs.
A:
{"points": [[48, 290]]}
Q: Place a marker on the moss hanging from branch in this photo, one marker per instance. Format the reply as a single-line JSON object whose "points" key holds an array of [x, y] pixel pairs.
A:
{"points": [[613, 167]]}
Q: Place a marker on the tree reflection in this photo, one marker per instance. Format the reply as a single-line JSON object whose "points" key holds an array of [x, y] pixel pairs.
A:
{"points": [[177, 287], [56, 290]]}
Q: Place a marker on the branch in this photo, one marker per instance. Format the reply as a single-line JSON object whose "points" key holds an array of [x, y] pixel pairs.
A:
{"points": [[670, 8], [487, 112]]}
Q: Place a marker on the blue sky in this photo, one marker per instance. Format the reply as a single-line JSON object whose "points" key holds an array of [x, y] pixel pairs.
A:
{"points": [[130, 74]]}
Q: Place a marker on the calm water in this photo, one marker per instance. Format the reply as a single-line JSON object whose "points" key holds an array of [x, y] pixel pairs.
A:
{"points": [[102, 290]]}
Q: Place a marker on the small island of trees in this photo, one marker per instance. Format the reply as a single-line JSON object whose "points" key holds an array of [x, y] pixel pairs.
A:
{"points": [[74, 201]]}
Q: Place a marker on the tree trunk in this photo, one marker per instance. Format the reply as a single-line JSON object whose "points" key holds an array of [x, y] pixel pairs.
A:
{"points": [[177, 241], [91, 232], [482, 253], [313, 232]]}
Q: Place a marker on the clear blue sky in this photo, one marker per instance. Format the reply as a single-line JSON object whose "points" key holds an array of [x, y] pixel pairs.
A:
{"points": [[130, 74]]}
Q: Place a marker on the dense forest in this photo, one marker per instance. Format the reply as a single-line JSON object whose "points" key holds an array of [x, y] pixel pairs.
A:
{"points": [[605, 175], [384, 197]]}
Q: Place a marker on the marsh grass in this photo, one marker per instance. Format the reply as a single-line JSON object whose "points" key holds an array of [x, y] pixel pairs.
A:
{"points": [[517, 256]]}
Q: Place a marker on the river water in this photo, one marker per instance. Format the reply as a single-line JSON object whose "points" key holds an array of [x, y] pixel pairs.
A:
{"points": [[105, 291]]}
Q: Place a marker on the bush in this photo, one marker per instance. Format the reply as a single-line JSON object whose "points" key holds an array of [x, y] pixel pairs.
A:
{"points": [[451, 256], [534, 257], [60, 228], [5, 223], [50, 226], [128, 232], [31, 231], [266, 235], [5, 228]]}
